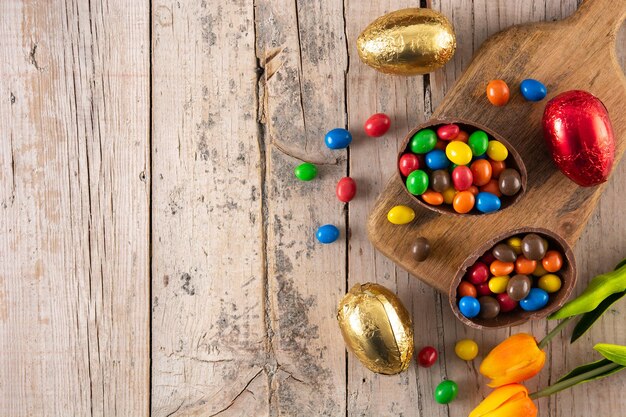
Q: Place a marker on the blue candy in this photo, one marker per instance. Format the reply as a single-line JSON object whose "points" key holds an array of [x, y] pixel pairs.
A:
{"points": [[437, 159], [469, 306], [487, 202], [533, 90], [327, 233], [338, 138], [535, 300]]}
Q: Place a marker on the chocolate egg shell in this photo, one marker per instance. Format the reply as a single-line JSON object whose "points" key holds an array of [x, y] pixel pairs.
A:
{"points": [[407, 42], [579, 136], [377, 328]]}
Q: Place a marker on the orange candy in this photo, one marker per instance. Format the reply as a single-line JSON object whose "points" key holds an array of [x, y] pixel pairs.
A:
{"points": [[467, 289], [498, 92], [474, 190], [499, 268], [463, 202], [433, 198], [481, 170], [525, 266], [492, 187], [496, 168], [553, 261], [462, 136]]}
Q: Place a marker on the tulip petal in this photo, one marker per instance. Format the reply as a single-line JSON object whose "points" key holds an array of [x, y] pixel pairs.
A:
{"points": [[502, 398], [516, 359]]}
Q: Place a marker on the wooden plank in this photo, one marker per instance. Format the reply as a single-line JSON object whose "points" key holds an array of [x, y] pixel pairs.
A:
{"points": [[301, 46], [209, 342], [74, 197]]}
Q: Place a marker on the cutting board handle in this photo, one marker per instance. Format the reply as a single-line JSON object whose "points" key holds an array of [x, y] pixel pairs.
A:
{"points": [[600, 18]]}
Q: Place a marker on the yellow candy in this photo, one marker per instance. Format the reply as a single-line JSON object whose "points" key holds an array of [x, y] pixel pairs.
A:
{"points": [[550, 283], [539, 271], [466, 349], [459, 152], [497, 285], [401, 215], [497, 151], [516, 244], [448, 195]]}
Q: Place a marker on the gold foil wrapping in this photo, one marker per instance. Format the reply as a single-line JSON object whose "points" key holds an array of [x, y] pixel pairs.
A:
{"points": [[407, 42], [376, 328]]}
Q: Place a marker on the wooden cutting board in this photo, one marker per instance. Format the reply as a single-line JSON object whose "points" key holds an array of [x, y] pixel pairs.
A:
{"points": [[577, 53]]}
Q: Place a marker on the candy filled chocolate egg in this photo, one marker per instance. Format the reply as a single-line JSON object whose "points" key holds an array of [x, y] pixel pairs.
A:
{"points": [[407, 42], [376, 328], [579, 136]]}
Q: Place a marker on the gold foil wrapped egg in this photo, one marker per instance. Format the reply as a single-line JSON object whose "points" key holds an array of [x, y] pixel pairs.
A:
{"points": [[376, 328], [407, 42]]}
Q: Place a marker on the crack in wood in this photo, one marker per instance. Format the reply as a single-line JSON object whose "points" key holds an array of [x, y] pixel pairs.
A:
{"points": [[244, 389]]}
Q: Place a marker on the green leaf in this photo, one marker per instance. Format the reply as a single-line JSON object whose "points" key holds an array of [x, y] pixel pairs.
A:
{"points": [[590, 367], [599, 289], [588, 319], [614, 353]]}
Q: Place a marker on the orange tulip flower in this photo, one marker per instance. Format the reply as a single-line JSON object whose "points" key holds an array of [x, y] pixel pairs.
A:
{"points": [[516, 359], [507, 401]]}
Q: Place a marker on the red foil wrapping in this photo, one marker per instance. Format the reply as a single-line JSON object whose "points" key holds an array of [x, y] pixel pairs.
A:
{"points": [[578, 133]]}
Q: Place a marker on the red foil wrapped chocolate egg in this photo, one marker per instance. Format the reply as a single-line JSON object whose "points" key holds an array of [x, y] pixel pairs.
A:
{"points": [[578, 133]]}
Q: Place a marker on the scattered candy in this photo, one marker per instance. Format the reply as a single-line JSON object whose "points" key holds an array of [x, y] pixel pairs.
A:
{"points": [[401, 215], [498, 92], [427, 356], [533, 90], [509, 182], [306, 171], [469, 306], [346, 189], [408, 163], [327, 233], [487, 202], [338, 138], [549, 283], [377, 125], [448, 132], [421, 249], [466, 349], [535, 300], [417, 182], [446, 392]]}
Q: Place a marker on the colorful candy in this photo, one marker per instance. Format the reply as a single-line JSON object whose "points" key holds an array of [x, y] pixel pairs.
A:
{"points": [[408, 163], [446, 392], [497, 151], [423, 141], [420, 249], [448, 132], [436, 159], [459, 152], [502, 278], [487, 202], [401, 215], [377, 125], [346, 189], [533, 90], [481, 172], [327, 233], [338, 138], [463, 202], [466, 349], [478, 142], [305, 172], [433, 198], [440, 180], [427, 356], [510, 182], [462, 178], [498, 92], [417, 182]]}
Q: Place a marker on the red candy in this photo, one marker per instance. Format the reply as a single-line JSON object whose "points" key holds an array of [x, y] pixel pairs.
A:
{"points": [[483, 289], [478, 273], [346, 189], [427, 356], [506, 303], [462, 178], [408, 163], [448, 132], [377, 125], [487, 258]]}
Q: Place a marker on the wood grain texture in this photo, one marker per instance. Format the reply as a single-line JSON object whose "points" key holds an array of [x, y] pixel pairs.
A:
{"points": [[74, 197]]}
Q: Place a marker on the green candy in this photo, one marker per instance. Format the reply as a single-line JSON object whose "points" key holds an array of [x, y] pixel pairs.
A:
{"points": [[306, 171], [446, 392], [417, 182], [478, 142], [424, 141]]}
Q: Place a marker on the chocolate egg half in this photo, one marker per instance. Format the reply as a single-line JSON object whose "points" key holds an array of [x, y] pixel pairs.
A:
{"points": [[376, 328], [407, 42]]}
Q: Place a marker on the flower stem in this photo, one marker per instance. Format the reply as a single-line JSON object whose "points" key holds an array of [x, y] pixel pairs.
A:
{"points": [[554, 332], [560, 386]]}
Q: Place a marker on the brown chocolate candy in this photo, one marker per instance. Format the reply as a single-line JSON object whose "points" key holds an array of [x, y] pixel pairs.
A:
{"points": [[504, 253], [489, 307], [509, 182], [518, 287], [440, 180], [534, 247], [421, 249]]}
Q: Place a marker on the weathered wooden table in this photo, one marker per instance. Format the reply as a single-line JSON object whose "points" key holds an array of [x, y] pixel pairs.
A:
{"points": [[157, 255]]}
